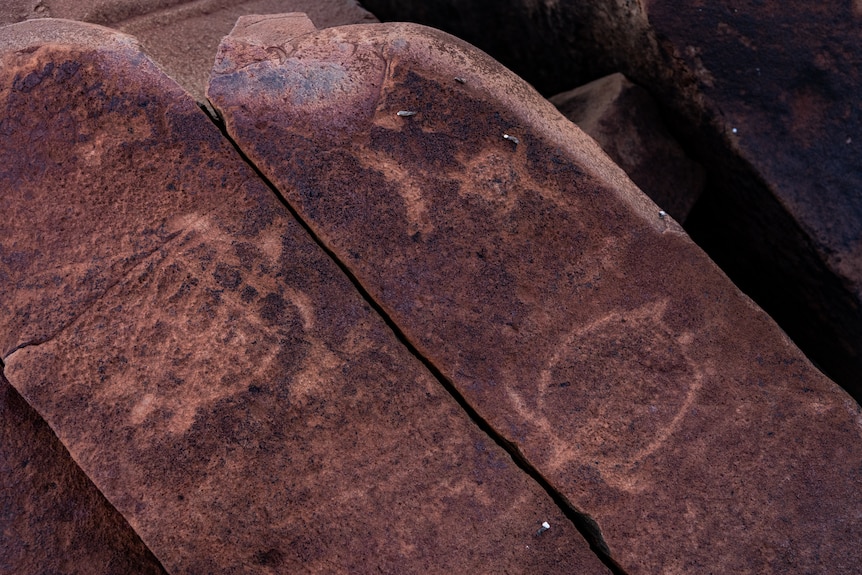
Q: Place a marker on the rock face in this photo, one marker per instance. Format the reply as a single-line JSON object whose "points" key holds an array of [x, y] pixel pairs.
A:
{"points": [[214, 373], [185, 38], [623, 118], [584, 327], [53, 519], [180, 35], [763, 95]]}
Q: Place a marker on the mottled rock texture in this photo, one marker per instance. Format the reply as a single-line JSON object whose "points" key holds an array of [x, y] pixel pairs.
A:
{"points": [[52, 517], [185, 38], [624, 119], [587, 329], [764, 94], [182, 35], [214, 373]]}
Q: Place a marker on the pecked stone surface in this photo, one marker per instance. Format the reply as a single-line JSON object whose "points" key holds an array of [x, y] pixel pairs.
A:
{"points": [[52, 517], [762, 94], [590, 332], [212, 371], [624, 119]]}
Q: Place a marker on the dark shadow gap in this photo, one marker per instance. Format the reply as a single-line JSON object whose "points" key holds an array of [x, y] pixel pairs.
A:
{"points": [[585, 524]]}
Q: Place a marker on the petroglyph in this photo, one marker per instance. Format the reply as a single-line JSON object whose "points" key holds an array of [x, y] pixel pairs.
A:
{"points": [[611, 398]]}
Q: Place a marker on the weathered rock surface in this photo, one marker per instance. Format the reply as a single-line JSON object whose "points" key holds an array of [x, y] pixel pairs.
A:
{"points": [[765, 97], [52, 518], [212, 371], [181, 35], [624, 119], [585, 328], [184, 39]]}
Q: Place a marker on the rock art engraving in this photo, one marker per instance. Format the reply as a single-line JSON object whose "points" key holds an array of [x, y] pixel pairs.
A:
{"points": [[570, 312], [205, 362], [613, 355]]}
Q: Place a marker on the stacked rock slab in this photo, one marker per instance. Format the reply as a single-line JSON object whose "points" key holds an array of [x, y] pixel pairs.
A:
{"points": [[624, 119], [180, 35], [212, 371], [184, 38], [585, 327], [53, 519]]}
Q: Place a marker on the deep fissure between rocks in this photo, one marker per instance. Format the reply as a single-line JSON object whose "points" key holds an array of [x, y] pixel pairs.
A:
{"points": [[586, 525]]}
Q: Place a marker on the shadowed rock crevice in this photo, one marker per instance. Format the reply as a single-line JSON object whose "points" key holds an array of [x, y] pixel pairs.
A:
{"points": [[586, 525]]}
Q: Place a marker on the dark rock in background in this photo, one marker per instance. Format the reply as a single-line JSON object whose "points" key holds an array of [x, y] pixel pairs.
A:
{"points": [[625, 121]]}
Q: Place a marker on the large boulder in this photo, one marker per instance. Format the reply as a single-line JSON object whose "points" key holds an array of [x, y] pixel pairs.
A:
{"points": [[763, 94], [581, 323], [207, 365]]}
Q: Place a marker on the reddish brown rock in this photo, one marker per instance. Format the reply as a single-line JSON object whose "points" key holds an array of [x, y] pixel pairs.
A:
{"points": [[52, 518], [587, 329], [183, 36], [763, 94], [211, 370], [623, 118], [110, 12], [102, 12]]}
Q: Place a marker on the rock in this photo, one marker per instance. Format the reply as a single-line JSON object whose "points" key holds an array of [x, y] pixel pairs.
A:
{"points": [[183, 36], [53, 519], [672, 414], [104, 12], [207, 365], [762, 95], [623, 118], [780, 87]]}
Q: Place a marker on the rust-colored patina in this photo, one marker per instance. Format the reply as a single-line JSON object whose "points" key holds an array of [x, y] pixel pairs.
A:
{"points": [[53, 519], [575, 317], [206, 364], [181, 35]]}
